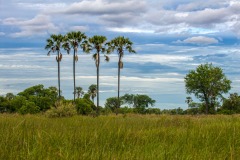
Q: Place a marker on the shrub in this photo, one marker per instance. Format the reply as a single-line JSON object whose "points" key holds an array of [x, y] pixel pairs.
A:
{"points": [[125, 110], [226, 111], [29, 107], [62, 110], [153, 111], [85, 106]]}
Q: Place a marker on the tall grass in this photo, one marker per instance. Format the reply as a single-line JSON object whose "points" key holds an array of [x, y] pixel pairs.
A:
{"points": [[119, 137]]}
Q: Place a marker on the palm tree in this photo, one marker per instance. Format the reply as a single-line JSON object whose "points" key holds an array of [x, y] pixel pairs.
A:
{"points": [[120, 44], [79, 92], [92, 91], [97, 43], [54, 44], [74, 40]]}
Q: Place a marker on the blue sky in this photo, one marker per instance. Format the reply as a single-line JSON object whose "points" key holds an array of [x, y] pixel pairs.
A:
{"points": [[170, 37]]}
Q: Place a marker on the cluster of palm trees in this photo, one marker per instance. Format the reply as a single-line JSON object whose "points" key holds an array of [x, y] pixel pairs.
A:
{"points": [[96, 44]]}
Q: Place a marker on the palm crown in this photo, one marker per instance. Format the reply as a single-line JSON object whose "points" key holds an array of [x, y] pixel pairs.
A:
{"points": [[54, 44], [74, 40], [97, 43], [120, 44]]}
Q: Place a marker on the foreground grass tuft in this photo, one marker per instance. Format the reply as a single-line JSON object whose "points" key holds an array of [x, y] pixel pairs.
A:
{"points": [[120, 137]]}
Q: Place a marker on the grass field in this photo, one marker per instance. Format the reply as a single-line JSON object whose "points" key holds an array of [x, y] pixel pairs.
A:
{"points": [[120, 137]]}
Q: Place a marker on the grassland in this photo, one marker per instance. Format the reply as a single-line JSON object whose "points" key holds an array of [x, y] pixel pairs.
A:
{"points": [[120, 137]]}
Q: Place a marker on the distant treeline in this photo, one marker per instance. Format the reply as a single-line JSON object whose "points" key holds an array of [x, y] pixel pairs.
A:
{"points": [[38, 99]]}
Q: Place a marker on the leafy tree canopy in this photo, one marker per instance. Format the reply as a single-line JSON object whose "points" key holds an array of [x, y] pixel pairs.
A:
{"points": [[207, 83], [112, 103], [232, 103]]}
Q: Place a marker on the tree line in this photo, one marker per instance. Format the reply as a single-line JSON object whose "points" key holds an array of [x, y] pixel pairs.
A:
{"points": [[97, 45], [38, 99]]}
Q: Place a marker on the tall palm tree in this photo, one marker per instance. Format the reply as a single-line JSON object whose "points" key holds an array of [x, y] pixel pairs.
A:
{"points": [[120, 44], [97, 43], [92, 91], [74, 40], [54, 44]]}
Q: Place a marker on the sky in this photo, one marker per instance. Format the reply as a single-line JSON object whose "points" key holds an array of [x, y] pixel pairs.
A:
{"points": [[170, 37]]}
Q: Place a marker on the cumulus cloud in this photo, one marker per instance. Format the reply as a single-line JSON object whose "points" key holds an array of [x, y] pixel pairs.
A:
{"points": [[39, 25], [210, 16], [164, 17], [114, 13], [105, 7], [199, 40]]}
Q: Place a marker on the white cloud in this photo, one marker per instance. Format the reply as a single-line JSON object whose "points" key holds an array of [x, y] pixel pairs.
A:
{"points": [[141, 79], [218, 16], [200, 5], [19, 67], [39, 25], [106, 13], [164, 17], [104, 7], [199, 40], [155, 58], [80, 28], [133, 30], [41, 6]]}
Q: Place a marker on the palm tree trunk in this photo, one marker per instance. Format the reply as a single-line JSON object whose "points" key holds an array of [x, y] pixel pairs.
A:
{"points": [[98, 83], [59, 95], [74, 82], [118, 105]]}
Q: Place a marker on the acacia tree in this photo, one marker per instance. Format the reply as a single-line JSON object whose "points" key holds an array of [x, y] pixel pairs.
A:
{"points": [[54, 44], [207, 83], [74, 40], [112, 103], [97, 44], [120, 45]]}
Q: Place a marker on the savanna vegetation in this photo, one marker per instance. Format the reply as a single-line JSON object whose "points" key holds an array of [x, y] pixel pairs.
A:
{"points": [[208, 83], [126, 127], [120, 137]]}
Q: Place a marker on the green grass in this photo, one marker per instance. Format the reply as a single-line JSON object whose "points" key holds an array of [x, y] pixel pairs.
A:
{"points": [[118, 137]]}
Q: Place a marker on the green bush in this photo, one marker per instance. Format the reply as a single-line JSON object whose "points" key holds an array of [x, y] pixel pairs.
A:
{"points": [[226, 111], [62, 110], [153, 111], [29, 107], [85, 106], [125, 110]]}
